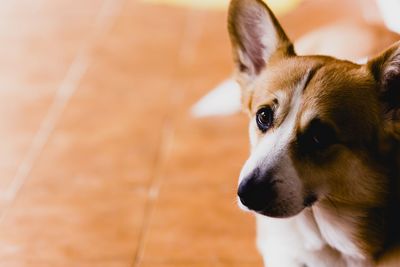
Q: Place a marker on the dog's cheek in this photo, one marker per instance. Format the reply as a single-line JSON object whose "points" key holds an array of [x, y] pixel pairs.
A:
{"points": [[313, 177], [345, 177], [358, 180], [293, 184]]}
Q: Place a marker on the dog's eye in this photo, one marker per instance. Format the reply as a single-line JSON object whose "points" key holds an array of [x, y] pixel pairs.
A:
{"points": [[264, 118]]}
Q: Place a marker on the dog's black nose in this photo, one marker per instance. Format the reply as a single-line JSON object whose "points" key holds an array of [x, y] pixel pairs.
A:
{"points": [[257, 190]]}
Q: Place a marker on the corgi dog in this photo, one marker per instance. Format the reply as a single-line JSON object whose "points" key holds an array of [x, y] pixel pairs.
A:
{"points": [[323, 173]]}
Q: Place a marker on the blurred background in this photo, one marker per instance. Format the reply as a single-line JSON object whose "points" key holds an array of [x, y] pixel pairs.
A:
{"points": [[102, 162]]}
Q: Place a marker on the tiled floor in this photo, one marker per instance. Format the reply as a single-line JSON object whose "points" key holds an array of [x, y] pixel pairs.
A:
{"points": [[101, 164], [100, 161]]}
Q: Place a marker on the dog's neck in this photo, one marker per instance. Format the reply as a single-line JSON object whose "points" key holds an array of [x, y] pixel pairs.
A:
{"points": [[339, 228]]}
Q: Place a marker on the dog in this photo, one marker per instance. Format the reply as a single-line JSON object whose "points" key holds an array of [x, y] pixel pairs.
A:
{"points": [[322, 177]]}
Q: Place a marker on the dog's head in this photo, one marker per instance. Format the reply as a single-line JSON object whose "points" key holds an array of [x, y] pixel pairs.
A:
{"points": [[317, 124]]}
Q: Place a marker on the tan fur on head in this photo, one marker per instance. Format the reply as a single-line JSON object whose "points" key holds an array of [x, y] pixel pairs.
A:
{"points": [[319, 136]]}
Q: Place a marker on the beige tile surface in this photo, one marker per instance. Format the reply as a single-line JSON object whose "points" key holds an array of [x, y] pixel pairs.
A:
{"points": [[190, 223], [78, 221], [25, 263], [37, 48]]}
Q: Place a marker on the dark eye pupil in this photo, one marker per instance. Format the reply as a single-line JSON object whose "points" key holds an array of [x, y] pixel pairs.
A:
{"points": [[264, 119]]}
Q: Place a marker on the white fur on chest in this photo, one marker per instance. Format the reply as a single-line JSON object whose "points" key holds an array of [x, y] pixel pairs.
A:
{"points": [[311, 238], [337, 233]]}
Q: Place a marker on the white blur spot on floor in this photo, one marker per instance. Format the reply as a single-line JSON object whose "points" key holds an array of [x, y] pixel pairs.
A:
{"points": [[361, 61], [221, 101], [390, 13]]}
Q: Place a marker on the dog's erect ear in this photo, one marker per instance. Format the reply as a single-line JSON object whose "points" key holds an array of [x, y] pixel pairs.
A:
{"points": [[256, 36], [386, 70]]}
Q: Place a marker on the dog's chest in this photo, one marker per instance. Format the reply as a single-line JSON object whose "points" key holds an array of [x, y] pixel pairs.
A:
{"points": [[308, 229], [313, 239], [320, 229], [337, 233]]}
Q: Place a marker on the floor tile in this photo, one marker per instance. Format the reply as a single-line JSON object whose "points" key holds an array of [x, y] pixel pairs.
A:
{"points": [[37, 49], [113, 124], [199, 224], [78, 220], [25, 263], [86, 196], [208, 152]]}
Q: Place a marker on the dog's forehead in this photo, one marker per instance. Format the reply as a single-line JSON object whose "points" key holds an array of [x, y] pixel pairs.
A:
{"points": [[341, 86], [343, 93], [279, 81]]}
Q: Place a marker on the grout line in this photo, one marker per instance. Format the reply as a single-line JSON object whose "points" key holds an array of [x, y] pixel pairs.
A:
{"points": [[191, 35], [165, 145], [106, 16]]}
